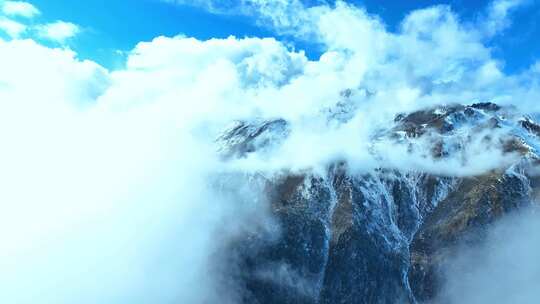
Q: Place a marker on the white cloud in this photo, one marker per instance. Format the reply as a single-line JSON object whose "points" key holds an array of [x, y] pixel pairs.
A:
{"points": [[25, 63], [19, 8], [497, 17], [58, 31], [106, 177], [535, 67], [13, 28]]}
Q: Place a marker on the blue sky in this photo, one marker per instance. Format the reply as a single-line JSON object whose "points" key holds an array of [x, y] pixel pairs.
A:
{"points": [[110, 25]]}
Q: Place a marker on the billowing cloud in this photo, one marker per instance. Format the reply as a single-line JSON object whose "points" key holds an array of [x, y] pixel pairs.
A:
{"points": [[19, 9], [74, 227], [58, 31]]}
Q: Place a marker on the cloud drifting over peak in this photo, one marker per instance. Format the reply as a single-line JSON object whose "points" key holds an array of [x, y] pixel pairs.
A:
{"points": [[434, 58], [107, 172]]}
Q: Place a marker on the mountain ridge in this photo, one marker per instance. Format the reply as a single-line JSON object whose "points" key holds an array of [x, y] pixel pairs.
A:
{"points": [[383, 236]]}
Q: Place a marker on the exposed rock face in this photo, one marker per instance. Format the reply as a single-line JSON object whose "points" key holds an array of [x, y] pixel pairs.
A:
{"points": [[382, 236], [243, 138]]}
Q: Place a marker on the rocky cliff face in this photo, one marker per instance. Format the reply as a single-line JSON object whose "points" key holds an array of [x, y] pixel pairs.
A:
{"points": [[385, 235]]}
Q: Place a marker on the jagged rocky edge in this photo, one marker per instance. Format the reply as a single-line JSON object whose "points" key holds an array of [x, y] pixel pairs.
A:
{"points": [[443, 122]]}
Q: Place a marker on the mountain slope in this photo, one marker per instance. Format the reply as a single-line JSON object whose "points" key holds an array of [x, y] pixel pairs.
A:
{"points": [[383, 235]]}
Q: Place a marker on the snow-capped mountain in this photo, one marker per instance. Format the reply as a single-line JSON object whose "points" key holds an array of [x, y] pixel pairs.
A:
{"points": [[382, 236]]}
